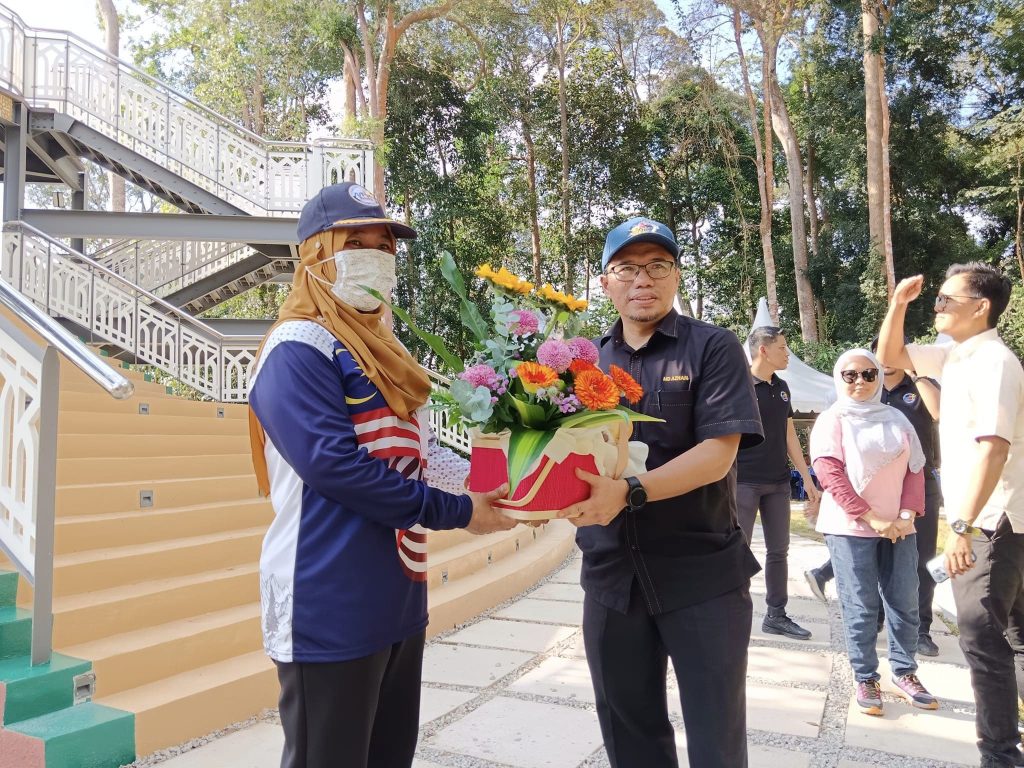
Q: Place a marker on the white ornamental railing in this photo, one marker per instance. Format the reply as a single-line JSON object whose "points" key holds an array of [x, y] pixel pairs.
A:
{"points": [[67, 284], [29, 393], [165, 266], [60, 71]]}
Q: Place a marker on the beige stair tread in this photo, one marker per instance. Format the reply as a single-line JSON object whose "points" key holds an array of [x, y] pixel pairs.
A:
{"points": [[157, 483], [213, 506], [165, 545], [195, 681], [477, 543], [128, 642], [135, 424], [148, 587]]}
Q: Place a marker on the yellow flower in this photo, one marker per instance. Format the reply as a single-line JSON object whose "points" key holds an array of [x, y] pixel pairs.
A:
{"points": [[484, 271]]}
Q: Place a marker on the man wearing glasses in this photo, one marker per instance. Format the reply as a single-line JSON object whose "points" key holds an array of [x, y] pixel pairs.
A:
{"points": [[981, 435], [666, 568]]}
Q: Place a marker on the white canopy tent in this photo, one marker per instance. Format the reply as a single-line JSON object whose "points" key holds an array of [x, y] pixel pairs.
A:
{"points": [[812, 391]]}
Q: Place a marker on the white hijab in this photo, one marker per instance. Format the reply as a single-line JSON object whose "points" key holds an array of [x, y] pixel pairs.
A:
{"points": [[871, 435]]}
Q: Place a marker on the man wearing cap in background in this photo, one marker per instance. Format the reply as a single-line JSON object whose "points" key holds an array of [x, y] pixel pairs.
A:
{"points": [[763, 475], [666, 568], [338, 438]]}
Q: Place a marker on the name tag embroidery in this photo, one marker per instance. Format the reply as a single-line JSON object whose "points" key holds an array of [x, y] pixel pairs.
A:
{"points": [[676, 378]]}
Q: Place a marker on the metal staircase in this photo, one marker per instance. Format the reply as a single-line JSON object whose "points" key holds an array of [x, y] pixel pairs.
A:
{"points": [[63, 100]]}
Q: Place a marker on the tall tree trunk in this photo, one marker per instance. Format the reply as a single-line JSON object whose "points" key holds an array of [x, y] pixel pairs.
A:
{"points": [[765, 176], [531, 185], [794, 167], [809, 193], [563, 113], [877, 149], [112, 42]]}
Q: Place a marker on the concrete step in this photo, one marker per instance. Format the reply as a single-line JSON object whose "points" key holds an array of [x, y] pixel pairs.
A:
{"points": [[147, 655], [475, 553], [74, 422], [86, 736], [438, 540], [15, 631], [8, 587], [103, 444], [84, 470], [87, 402], [459, 600], [120, 529], [28, 691], [95, 498], [99, 569], [199, 701], [73, 380], [93, 615]]}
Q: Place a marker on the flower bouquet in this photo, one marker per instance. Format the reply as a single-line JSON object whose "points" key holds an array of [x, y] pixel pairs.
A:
{"points": [[536, 404]]}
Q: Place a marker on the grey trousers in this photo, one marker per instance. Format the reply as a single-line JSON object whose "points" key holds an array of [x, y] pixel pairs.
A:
{"points": [[773, 501]]}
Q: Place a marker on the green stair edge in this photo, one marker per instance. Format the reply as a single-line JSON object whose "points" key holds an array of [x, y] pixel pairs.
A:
{"points": [[8, 589], [15, 632], [33, 691], [89, 735]]}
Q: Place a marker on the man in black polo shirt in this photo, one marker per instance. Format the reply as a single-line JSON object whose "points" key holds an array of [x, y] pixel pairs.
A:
{"points": [[763, 477], [666, 568], [918, 399]]}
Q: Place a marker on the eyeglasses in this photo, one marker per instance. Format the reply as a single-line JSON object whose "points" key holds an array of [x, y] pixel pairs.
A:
{"points": [[656, 269], [941, 299], [868, 374]]}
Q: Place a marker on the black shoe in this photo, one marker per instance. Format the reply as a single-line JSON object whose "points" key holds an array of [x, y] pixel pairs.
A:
{"points": [[991, 761], [816, 583], [783, 625], [926, 646]]}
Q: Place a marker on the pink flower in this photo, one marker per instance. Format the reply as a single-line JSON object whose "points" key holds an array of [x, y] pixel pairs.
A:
{"points": [[526, 322], [480, 376], [555, 354], [583, 349]]}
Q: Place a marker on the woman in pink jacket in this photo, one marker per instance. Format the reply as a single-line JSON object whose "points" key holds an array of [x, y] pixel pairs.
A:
{"points": [[869, 461]]}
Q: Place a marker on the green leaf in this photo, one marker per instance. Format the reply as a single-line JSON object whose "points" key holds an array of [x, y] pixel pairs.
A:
{"points": [[433, 341], [524, 447], [470, 315], [598, 418], [531, 414]]}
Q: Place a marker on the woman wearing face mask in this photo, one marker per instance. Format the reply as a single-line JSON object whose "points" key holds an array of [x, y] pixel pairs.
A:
{"points": [[869, 461], [339, 443]]}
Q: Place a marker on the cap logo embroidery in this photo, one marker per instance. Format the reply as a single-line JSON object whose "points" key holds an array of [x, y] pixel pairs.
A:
{"points": [[362, 195], [910, 398], [642, 228]]}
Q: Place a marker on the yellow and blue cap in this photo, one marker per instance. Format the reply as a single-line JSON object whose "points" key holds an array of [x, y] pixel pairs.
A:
{"points": [[638, 230]]}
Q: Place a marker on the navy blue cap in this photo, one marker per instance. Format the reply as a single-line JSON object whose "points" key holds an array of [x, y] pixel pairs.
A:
{"points": [[346, 205], [638, 230]]}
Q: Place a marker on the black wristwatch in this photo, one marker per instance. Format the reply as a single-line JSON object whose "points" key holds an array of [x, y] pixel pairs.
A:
{"points": [[961, 527], [636, 496]]}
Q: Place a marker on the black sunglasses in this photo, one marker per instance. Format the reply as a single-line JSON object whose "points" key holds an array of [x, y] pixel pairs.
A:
{"points": [[868, 374]]}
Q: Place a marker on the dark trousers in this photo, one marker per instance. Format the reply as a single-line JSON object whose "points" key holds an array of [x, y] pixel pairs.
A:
{"points": [[773, 501], [927, 528], [628, 657], [990, 613], [362, 713]]}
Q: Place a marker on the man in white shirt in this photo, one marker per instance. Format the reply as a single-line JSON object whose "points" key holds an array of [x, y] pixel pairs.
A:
{"points": [[981, 434]]}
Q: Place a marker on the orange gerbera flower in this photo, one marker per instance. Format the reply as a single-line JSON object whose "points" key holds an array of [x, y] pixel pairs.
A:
{"points": [[596, 391], [627, 384], [578, 366], [536, 376]]}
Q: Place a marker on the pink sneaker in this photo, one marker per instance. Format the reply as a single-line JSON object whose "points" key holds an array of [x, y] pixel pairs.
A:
{"points": [[869, 697], [911, 687]]}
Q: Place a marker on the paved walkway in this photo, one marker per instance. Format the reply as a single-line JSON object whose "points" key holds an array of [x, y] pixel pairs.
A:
{"points": [[512, 689]]}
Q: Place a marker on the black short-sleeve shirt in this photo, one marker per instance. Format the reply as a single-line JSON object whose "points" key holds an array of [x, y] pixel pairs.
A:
{"points": [[768, 462], [687, 549], [906, 398]]}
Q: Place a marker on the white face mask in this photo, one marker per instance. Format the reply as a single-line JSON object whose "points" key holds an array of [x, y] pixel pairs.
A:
{"points": [[362, 266]]}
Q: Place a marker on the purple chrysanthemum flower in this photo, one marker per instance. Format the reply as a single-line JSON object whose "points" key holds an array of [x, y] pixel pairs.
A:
{"points": [[583, 349], [480, 376], [526, 322], [556, 354]]}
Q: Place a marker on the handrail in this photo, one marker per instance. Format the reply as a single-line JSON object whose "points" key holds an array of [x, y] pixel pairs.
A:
{"points": [[161, 85], [74, 350]]}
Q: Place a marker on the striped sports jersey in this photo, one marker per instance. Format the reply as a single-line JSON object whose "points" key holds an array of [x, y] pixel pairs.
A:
{"points": [[343, 568]]}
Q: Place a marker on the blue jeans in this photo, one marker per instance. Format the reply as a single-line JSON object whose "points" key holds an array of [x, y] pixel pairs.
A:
{"points": [[868, 571]]}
